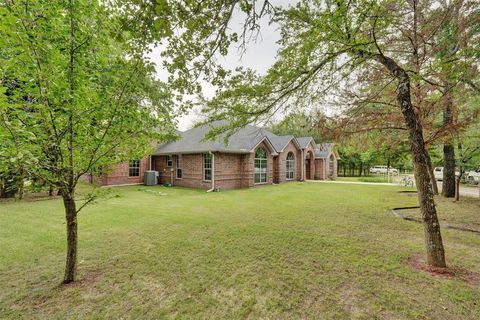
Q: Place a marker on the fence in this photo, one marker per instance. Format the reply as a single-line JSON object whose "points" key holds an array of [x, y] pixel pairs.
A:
{"points": [[345, 171]]}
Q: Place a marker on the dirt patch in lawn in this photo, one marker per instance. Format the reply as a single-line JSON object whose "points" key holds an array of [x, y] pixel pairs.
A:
{"points": [[417, 261], [87, 279], [408, 193]]}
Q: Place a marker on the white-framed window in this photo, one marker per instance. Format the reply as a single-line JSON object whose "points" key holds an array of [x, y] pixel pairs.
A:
{"points": [[169, 161], [260, 166], [179, 166], [290, 166], [207, 167], [134, 168]]}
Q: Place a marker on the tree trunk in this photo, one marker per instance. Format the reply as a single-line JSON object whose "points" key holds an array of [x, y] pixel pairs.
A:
{"points": [[431, 227], [457, 187], [50, 190], [68, 192], [448, 183], [459, 178], [433, 238], [21, 185], [9, 187], [71, 217], [432, 176], [388, 169]]}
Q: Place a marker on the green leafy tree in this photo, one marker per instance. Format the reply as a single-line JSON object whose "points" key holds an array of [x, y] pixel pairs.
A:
{"points": [[323, 46], [93, 99], [298, 124]]}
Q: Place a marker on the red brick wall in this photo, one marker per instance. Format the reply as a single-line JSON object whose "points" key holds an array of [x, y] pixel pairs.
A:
{"points": [[322, 167], [118, 174], [247, 167], [192, 171], [276, 169], [310, 150], [319, 169], [230, 170], [281, 163]]}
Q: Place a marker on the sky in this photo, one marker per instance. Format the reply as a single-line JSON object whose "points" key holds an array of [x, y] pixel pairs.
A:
{"points": [[260, 55]]}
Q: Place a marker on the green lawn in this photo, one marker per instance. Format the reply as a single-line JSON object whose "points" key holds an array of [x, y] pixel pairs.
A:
{"points": [[463, 214], [373, 178], [298, 250]]}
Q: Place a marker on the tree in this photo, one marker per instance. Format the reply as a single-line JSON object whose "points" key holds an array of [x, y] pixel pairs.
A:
{"points": [[93, 97], [431, 52], [298, 124], [323, 44], [14, 156], [468, 148], [456, 63]]}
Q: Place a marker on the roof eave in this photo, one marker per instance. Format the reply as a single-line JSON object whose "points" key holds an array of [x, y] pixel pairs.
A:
{"points": [[241, 151]]}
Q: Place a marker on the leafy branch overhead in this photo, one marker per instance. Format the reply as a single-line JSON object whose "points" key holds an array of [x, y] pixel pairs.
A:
{"points": [[329, 51], [325, 48]]}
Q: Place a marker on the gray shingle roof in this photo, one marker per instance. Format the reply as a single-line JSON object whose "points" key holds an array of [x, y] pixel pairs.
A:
{"points": [[192, 141], [280, 142], [242, 141], [304, 141], [323, 150]]}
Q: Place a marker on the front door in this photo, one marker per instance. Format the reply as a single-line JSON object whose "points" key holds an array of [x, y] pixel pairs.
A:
{"points": [[307, 168]]}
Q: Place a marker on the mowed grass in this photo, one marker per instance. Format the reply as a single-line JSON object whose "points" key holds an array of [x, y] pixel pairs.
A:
{"points": [[464, 213], [297, 250], [373, 178]]}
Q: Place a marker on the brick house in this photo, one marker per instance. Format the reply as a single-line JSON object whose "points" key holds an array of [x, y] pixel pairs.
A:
{"points": [[253, 156]]}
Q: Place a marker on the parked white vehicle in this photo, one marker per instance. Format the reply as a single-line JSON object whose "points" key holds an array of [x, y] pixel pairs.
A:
{"points": [[473, 176], [383, 170], [438, 172]]}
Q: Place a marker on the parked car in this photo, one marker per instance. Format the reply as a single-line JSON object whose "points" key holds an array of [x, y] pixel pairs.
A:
{"points": [[438, 172], [473, 176], [383, 170]]}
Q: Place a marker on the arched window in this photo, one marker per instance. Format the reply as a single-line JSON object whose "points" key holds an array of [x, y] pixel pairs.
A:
{"points": [[290, 165], [330, 165], [260, 166]]}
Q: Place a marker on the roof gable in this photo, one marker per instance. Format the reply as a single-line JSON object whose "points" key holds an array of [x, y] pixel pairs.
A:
{"points": [[305, 141], [280, 142]]}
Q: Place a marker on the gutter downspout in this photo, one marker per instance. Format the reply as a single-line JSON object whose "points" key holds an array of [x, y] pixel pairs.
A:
{"points": [[213, 172]]}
